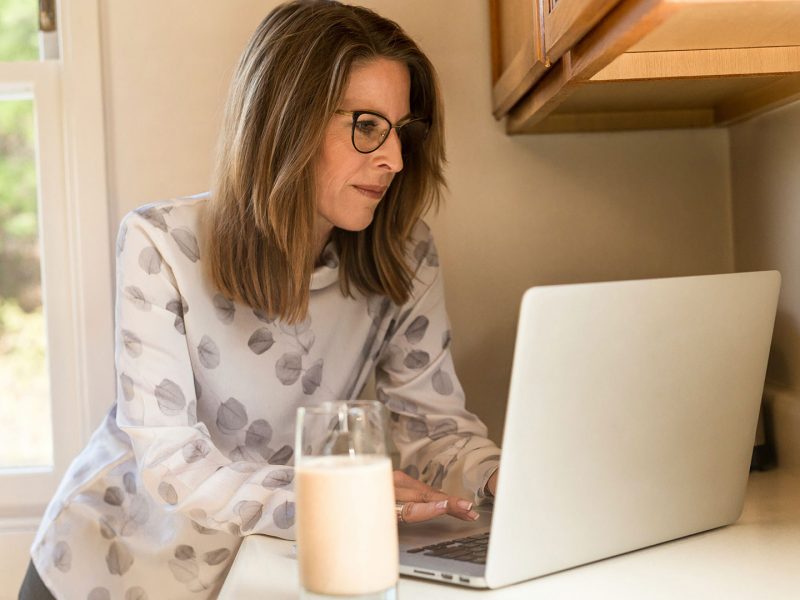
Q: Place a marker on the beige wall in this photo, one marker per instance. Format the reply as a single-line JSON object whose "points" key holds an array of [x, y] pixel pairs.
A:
{"points": [[522, 210], [765, 181]]}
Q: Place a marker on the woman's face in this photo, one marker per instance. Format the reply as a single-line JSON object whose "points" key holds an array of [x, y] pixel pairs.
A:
{"points": [[382, 86]]}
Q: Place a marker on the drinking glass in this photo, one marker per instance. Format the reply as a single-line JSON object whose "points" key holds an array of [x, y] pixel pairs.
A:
{"points": [[346, 524]]}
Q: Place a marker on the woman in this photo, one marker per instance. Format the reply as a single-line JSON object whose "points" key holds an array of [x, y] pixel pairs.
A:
{"points": [[305, 269]]}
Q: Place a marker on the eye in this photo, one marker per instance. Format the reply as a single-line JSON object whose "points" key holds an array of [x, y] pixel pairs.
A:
{"points": [[366, 125]]}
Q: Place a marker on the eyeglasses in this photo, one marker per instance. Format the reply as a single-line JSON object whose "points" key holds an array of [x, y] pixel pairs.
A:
{"points": [[371, 130]]}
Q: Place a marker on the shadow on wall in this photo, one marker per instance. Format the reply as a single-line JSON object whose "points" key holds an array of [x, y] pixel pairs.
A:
{"points": [[779, 367]]}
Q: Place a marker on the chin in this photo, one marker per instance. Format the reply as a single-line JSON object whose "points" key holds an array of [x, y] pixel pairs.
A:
{"points": [[355, 223]]}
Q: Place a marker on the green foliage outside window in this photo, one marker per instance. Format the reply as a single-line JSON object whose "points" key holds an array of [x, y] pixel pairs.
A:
{"points": [[18, 30], [24, 396]]}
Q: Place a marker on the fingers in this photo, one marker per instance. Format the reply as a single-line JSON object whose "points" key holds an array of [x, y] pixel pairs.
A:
{"points": [[425, 502], [422, 511], [414, 512], [462, 509]]}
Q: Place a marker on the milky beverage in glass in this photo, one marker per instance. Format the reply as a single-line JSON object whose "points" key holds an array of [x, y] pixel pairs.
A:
{"points": [[346, 526]]}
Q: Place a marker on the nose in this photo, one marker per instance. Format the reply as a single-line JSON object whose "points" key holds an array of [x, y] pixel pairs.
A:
{"points": [[390, 154]]}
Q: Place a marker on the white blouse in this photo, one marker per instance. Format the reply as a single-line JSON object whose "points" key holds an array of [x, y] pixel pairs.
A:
{"points": [[198, 450]]}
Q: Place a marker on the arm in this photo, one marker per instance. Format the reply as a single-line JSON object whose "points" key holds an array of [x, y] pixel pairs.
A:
{"points": [[440, 442], [179, 464]]}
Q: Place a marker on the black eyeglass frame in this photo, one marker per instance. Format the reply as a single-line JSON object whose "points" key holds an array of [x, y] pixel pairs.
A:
{"points": [[358, 113]]}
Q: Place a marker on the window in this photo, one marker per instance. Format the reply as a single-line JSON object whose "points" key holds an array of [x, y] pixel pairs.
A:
{"points": [[51, 277]]}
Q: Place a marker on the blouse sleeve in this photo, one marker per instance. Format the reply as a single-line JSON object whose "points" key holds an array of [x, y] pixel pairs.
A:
{"points": [[439, 441], [178, 463]]}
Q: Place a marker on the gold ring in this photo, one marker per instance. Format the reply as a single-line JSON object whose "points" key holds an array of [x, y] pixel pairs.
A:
{"points": [[399, 508]]}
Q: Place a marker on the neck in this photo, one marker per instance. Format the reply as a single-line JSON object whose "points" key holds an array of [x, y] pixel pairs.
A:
{"points": [[322, 233]]}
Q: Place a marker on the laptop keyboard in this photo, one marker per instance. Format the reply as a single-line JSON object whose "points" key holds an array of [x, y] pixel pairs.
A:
{"points": [[469, 549]]}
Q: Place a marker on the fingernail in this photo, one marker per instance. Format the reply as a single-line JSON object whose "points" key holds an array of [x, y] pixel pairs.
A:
{"points": [[441, 505], [464, 504], [473, 515]]}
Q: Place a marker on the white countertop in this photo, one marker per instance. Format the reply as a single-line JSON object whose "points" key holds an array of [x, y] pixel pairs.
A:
{"points": [[758, 557]]}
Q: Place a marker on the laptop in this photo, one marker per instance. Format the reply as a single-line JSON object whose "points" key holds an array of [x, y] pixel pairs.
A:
{"points": [[631, 416]]}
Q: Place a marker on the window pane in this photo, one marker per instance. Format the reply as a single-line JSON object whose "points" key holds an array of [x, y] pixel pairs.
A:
{"points": [[25, 427], [19, 30]]}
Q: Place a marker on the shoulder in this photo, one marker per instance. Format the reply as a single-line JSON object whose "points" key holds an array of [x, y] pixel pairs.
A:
{"points": [[173, 221], [164, 215]]}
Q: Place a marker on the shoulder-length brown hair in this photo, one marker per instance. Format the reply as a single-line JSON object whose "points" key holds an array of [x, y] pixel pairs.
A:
{"points": [[259, 234]]}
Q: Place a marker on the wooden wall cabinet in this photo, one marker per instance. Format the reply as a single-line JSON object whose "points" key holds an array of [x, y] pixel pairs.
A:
{"points": [[595, 65]]}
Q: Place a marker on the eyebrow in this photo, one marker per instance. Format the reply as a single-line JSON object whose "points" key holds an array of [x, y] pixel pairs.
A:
{"points": [[400, 120]]}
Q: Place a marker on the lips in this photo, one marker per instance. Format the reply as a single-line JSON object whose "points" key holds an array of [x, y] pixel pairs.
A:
{"points": [[373, 192], [378, 189]]}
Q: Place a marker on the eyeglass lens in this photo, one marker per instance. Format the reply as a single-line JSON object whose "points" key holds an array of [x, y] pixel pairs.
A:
{"points": [[370, 130]]}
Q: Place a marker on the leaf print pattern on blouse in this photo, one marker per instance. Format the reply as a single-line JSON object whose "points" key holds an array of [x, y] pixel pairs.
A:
{"points": [[312, 378], [262, 316], [249, 512], [421, 250], [184, 570], [136, 296], [416, 428], [208, 353], [167, 493], [187, 243], [288, 368], [136, 593], [119, 559], [62, 556], [442, 383], [195, 450], [179, 308], [132, 343], [108, 527], [215, 557], [202, 530], [283, 515], [129, 482], [394, 357], [442, 429], [150, 260], [446, 339], [282, 456], [258, 437], [417, 359], [114, 496], [138, 514], [433, 474], [99, 593], [126, 383], [231, 416], [277, 479], [170, 398], [416, 331], [295, 329], [261, 340], [153, 216], [224, 309], [184, 552]]}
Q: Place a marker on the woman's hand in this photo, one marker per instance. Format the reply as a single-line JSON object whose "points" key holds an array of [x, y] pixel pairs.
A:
{"points": [[422, 502]]}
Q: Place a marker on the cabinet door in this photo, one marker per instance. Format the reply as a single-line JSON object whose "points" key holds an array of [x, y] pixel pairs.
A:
{"points": [[567, 21], [518, 58]]}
